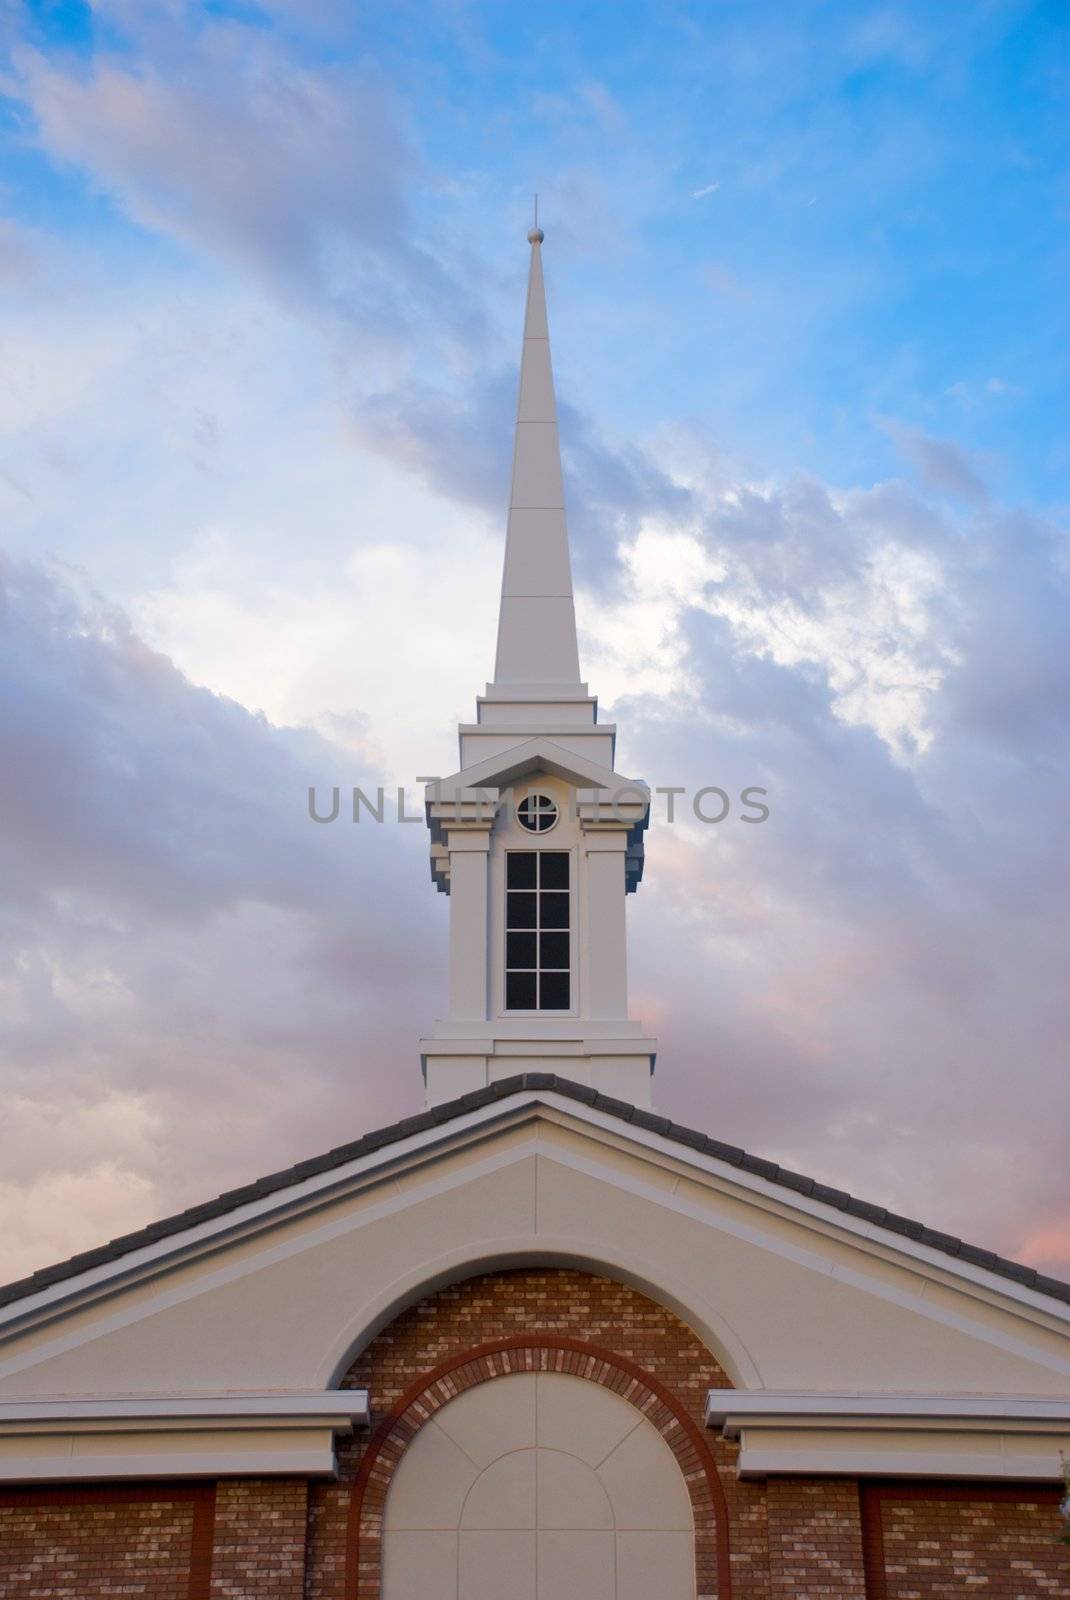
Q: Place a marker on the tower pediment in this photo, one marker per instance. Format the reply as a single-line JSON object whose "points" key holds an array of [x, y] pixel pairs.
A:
{"points": [[539, 754]]}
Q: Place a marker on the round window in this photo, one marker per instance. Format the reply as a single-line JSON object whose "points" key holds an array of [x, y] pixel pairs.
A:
{"points": [[537, 813]]}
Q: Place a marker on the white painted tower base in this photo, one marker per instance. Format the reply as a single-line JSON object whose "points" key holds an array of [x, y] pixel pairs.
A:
{"points": [[617, 1066]]}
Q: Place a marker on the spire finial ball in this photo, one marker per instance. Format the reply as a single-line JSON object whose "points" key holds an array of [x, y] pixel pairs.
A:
{"points": [[536, 236]]}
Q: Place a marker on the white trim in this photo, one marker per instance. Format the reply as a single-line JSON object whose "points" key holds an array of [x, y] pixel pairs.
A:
{"points": [[903, 1462], [536, 1244], [537, 753], [315, 1463], [176, 1436], [733, 1409], [303, 1195], [675, 1200], [166, 1296], [996, 1437], [505, 1254], [332, 1407], [913, 1299], [871, 1237], [307, 1194]]}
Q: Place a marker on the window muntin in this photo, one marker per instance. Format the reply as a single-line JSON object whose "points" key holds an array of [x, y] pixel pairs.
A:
{"points": [[538, 935], [537, 813]]}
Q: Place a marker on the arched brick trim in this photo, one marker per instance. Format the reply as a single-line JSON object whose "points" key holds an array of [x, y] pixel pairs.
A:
{"points": [[574, 1357]]}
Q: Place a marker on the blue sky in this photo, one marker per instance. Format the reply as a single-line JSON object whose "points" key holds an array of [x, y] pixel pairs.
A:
{"points": [[886, 241], [263, 271]]}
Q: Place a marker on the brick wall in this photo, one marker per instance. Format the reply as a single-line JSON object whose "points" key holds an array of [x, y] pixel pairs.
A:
{"points": [[924, 1543], [570, 1304], [90, 1542], [259, 1545], [288, 1540], [544, 1303], [815, 1539]]}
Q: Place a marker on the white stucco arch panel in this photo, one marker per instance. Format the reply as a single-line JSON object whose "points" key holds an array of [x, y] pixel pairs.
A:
{"points": [[683, 1297], [554, 1486]]}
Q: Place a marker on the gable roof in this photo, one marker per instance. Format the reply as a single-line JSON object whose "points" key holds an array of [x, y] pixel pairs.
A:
{"points": [[537, 754], [529, 1082]]}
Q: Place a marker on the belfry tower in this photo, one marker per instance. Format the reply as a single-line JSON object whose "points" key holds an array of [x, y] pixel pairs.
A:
{"points": [[537, 838]]}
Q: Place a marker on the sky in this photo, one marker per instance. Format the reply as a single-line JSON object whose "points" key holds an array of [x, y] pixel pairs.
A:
{"points": [[262, 269]]}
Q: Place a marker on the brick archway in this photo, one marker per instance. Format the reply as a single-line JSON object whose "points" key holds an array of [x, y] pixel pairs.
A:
{"points": [[523, 1354]]}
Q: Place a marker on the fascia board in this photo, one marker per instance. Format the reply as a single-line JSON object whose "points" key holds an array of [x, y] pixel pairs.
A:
{"points": [[898, 1460], [317, 1462], [976, 1437], [171, 1436], [296, 1199], [790, 1203], [330, 1408], [732, 1410], [530, 756], [484, 1122]]}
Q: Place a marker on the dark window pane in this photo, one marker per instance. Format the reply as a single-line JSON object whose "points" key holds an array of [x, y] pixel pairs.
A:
{"points": [[536, 813], [520, 949], [553, 949], [520, 910], [546, 815], [553, 912], [520, 991], [553, 991], [553, 869], [520, 869]]}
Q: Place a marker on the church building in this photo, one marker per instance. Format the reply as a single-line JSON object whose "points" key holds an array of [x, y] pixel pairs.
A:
{"points": [[536, 1341]]}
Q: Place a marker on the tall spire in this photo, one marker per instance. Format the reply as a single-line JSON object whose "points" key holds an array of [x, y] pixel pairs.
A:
{"points": [[537, 622], [536, 838]]}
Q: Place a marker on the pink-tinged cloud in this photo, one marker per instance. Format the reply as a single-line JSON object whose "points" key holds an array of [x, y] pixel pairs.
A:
{"points": [[1048, 1248], [199, 985]]}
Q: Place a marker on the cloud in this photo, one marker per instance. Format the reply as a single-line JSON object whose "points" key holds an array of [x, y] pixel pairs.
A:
{"points": [[972, 394], [940, 463], [300, 176], [283, 446], [21, 254], [871, 961], [461, 446], [53, 1217], [709, 188], [878, 964], [176, 930]]}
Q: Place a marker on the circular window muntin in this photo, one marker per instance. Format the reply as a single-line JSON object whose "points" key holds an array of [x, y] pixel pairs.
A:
{"points": [[537, 813]]}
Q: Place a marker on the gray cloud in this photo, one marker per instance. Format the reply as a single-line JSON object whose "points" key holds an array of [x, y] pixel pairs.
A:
{"points": [[461, 446], [201, 985], [178, 938], [868, 986], [872, 984], [300, 176], [941, 464]]}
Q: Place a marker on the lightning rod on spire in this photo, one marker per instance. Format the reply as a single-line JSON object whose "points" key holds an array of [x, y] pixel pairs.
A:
{"points": [[536, 236]]}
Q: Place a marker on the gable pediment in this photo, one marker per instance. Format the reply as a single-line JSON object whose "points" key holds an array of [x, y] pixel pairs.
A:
{"points": [[522, 760], [276, 1289]]}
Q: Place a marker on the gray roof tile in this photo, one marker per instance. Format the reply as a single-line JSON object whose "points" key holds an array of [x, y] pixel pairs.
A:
{"points": [[170, 1226]]}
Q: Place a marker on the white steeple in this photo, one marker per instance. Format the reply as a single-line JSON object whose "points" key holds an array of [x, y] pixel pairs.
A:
{"points": [[537, 623], [536, 838]]}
